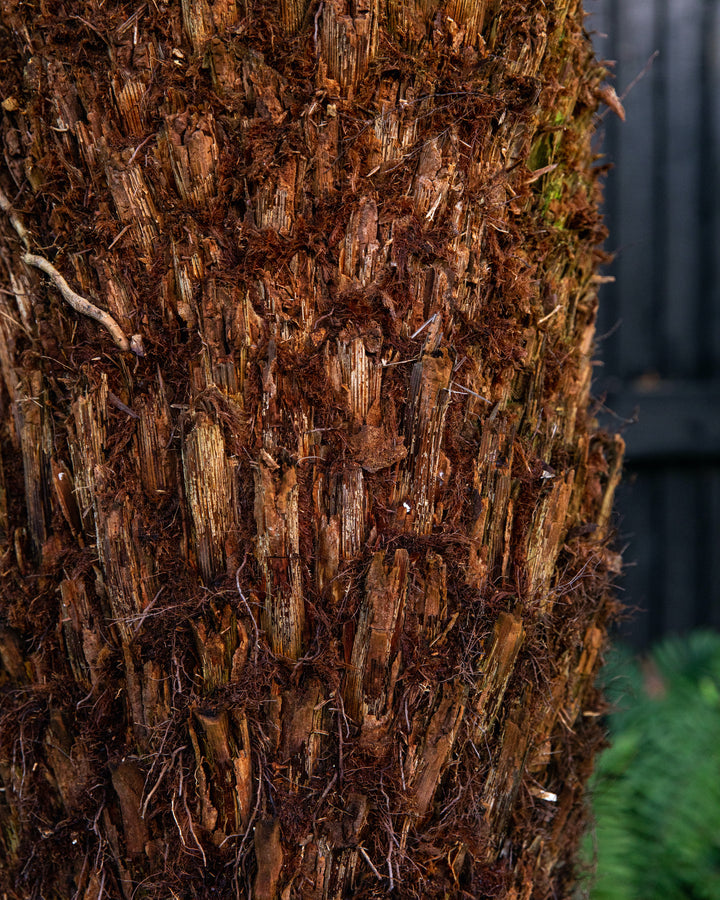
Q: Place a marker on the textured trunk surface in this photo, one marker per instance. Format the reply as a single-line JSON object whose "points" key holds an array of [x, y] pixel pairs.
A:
{"points": [[304, 597]]}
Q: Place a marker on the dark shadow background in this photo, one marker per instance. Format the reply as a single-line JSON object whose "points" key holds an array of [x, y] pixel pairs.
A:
{"points": [[659, 325]]}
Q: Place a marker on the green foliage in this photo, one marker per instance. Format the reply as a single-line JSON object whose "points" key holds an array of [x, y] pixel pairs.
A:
{"points": [[656, 790]]}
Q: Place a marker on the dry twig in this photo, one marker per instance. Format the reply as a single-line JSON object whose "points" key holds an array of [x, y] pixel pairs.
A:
{"points": [[81, 305]]}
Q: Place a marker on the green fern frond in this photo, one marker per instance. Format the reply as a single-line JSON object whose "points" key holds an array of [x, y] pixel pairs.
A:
{"points": [[656, 791]]}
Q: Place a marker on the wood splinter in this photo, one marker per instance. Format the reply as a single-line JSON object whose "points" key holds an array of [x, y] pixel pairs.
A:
{"points": [[81, 305]]}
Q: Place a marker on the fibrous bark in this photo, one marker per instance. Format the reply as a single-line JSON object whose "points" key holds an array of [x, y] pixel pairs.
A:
{"points": [[307, 600]]}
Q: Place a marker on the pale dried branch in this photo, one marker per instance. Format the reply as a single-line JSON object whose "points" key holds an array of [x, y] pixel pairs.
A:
{"points": [[81, 305]]}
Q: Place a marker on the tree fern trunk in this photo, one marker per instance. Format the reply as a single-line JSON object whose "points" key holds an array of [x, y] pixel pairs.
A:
{"points": [[305, 597]]}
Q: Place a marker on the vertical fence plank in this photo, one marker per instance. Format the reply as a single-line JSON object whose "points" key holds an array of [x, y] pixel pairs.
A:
{"points": [[679, 148], [679, 540], [637, 515], [709, 191], [635, 193], [708, 602]]}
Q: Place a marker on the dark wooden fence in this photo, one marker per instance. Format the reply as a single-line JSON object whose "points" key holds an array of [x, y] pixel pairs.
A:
{"points": [[661, 318]]}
